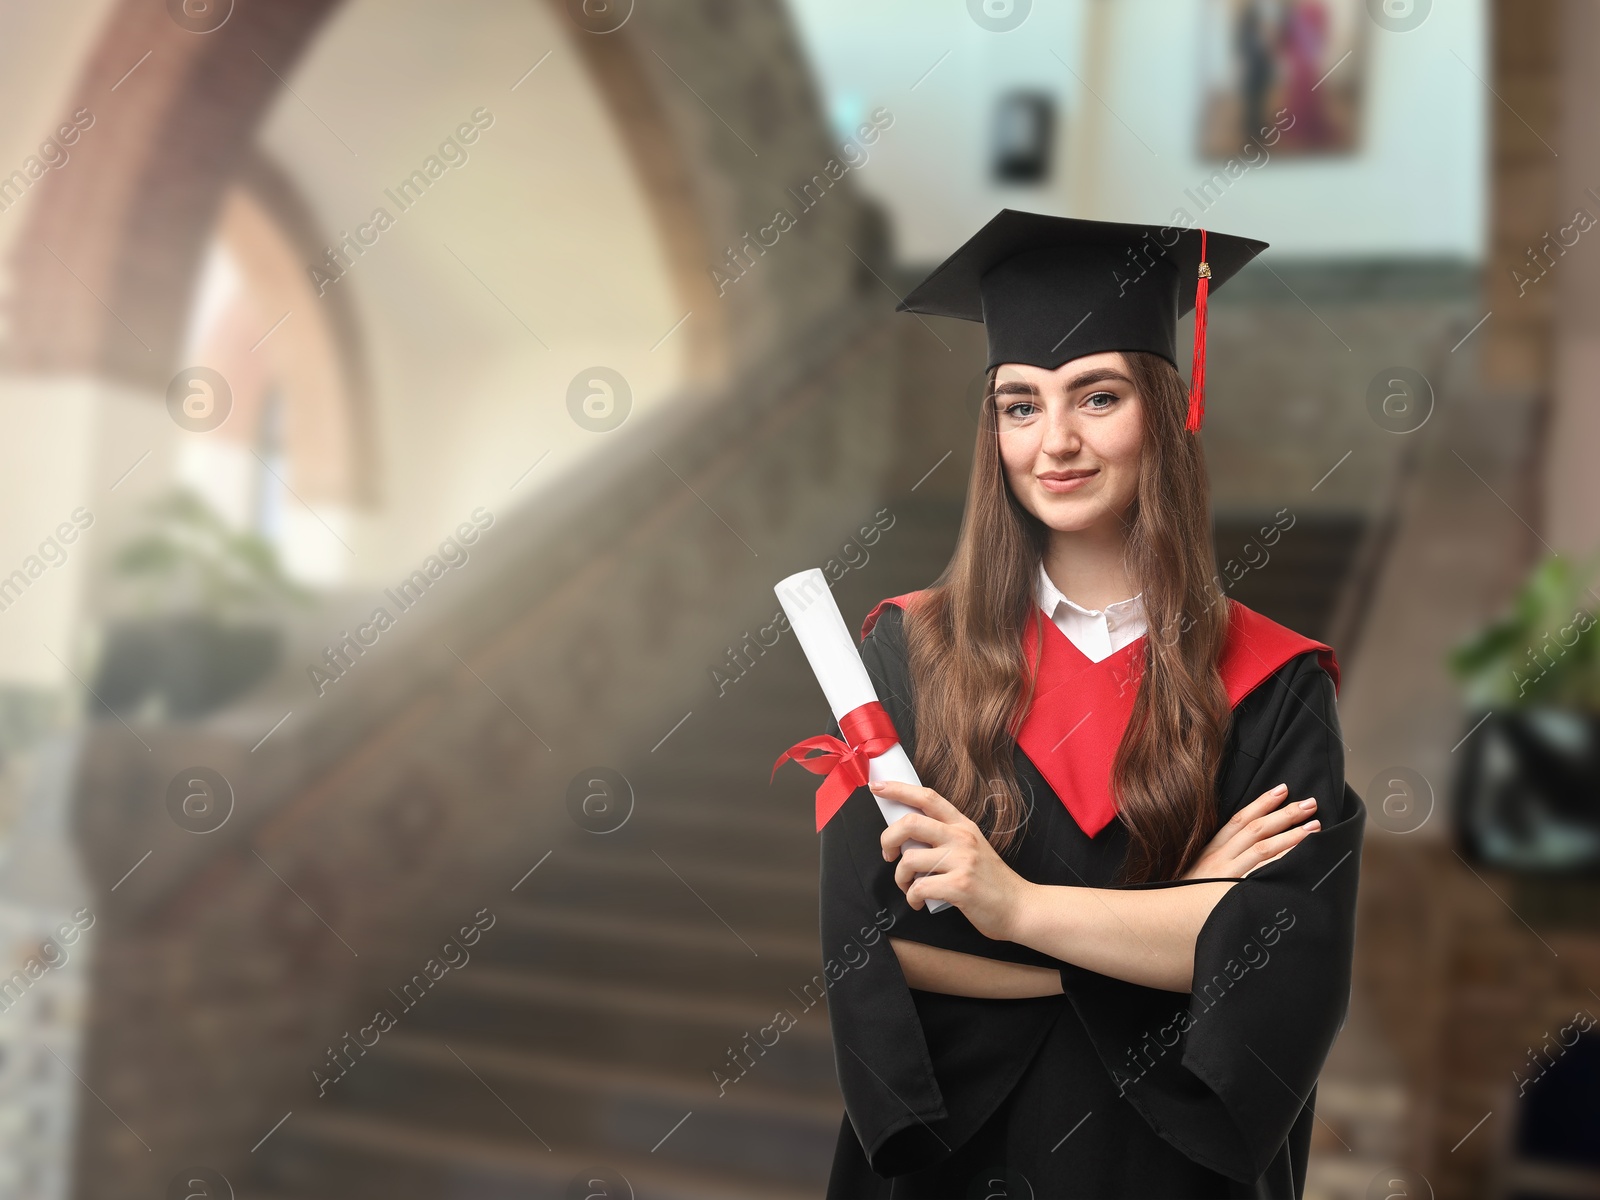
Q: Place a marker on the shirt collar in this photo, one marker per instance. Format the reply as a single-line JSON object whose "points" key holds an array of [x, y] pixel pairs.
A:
{"points": [[1115, 614]]}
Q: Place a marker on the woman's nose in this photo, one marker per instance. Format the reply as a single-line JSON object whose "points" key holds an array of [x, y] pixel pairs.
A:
{"points": [[1061, 435]]}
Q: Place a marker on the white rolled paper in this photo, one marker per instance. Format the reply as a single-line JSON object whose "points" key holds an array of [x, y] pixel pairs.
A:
{"points": [[836, 661]]}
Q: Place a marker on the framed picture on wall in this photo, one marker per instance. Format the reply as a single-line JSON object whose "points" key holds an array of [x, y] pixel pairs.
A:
{"points": [[1285, 75]]}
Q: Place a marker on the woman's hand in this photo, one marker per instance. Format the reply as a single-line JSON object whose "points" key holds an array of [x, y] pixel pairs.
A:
{"points": [[963, 867], [1255, 835]]}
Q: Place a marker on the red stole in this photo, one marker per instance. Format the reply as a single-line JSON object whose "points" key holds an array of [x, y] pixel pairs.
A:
{"points": [[1080, 708]]}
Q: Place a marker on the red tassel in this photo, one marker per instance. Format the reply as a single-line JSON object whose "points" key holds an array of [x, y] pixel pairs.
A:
{"points": [[1197, 373]]}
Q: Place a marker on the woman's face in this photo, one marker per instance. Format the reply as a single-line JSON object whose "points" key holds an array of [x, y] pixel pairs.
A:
{"points": [[1069, 440]]}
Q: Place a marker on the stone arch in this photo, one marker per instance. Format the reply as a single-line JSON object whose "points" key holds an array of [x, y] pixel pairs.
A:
{"points": [[109, 256], [262, 185]]}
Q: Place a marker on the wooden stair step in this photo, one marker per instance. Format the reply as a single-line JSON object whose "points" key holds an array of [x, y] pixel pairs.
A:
{"points": [[652, 952], [343, 1154], [659, 1029], [742, 1119]]}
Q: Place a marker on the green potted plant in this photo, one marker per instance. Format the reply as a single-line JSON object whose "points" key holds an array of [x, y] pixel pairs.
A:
{"points": [[1527, 790], [201, 589]]}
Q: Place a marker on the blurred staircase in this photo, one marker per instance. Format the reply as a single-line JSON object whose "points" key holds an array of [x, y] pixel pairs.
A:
{"points": [[580, 1038], [633, 965], [1297, 579]]}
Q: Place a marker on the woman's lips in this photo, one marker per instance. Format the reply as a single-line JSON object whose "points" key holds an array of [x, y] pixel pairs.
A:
{"points": [[1066, 485]]}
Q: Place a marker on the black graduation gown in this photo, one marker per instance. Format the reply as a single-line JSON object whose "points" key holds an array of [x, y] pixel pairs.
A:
{"points": [[1110, 1089]]}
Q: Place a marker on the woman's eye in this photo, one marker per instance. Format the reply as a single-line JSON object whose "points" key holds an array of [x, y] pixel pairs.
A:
{"points": [[1010, 410], [1110, 397]]}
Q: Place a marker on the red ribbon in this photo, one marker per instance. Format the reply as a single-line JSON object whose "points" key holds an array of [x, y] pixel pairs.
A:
{"points": [[868, 731]]}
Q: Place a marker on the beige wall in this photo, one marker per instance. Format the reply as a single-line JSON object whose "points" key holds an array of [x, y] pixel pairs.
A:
{"points": [[546, 211]]}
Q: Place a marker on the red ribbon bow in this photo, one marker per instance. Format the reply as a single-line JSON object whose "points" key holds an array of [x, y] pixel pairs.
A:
{"points": [[868, 731]]}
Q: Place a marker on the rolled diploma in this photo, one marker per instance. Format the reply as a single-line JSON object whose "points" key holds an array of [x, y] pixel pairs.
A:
{"points": [[836, 661]]}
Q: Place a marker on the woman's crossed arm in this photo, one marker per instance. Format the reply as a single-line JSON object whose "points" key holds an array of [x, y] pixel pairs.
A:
{"points": [[1145, 936]]}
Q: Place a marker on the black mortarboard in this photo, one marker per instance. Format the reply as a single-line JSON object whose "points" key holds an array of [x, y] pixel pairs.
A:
{"points": [[1051, 289]]}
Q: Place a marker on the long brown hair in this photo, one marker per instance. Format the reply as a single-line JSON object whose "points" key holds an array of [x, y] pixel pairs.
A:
{"points": [[971, 687]]}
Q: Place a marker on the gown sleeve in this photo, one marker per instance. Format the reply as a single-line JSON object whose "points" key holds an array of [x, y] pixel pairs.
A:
{"points": [[1224, 1072], [919, 1071], [880, 1052]]}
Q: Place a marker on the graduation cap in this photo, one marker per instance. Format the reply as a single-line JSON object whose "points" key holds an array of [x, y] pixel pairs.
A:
{"points": [[1051, 289]]}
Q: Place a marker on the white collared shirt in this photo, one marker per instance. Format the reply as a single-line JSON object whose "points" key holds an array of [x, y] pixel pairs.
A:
{"points": [[1099, 633]]}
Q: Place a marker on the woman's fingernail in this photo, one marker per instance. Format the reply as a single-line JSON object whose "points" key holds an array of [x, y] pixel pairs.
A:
{"points": [[1308, 804], [873, 784], [1280, 789], [1312, 824]]}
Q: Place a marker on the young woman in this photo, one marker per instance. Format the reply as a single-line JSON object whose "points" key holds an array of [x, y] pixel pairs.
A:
{"points": [[1135, 800]]}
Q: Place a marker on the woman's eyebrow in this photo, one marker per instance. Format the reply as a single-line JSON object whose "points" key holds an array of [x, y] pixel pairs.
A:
{"points": [[1099, 375], [1018, 387]]}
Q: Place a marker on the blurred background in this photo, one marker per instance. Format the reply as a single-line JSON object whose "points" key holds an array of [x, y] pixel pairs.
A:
{"points": [[409, 408]]}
